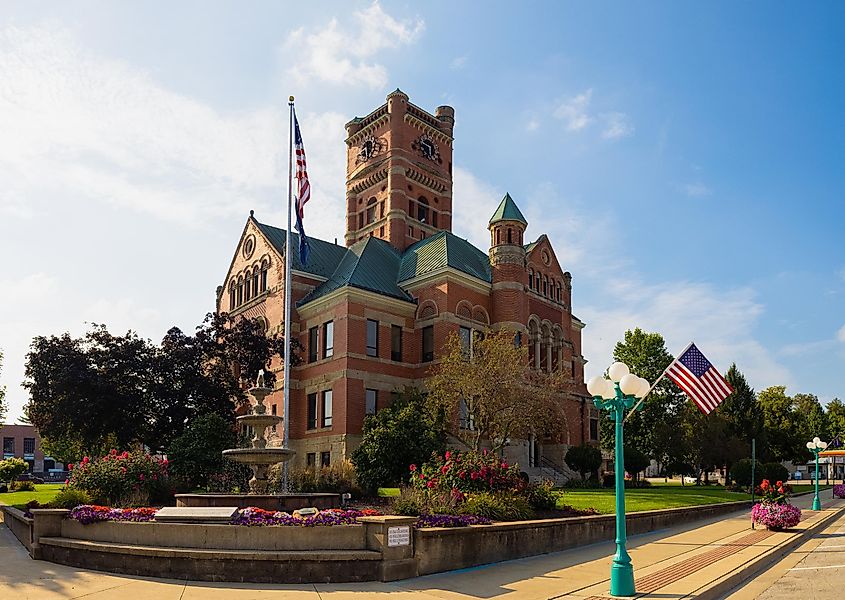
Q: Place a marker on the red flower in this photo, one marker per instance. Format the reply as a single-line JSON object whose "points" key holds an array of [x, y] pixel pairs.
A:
{"points": [[444, 469], [113, 452], [765, 484], [779, 484], [413, 468], [462, 474], [504, 465], [430, 484], [473, 475], [448, 455]]}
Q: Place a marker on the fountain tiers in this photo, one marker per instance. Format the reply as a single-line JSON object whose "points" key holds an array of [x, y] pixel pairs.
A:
{"points": [[259, 458]]}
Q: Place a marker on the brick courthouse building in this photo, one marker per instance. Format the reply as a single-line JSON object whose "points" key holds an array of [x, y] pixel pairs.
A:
{"points": [[372, 315]]}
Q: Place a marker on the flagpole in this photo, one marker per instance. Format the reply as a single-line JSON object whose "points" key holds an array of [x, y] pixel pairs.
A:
{"points": [[288, 290], [654, 385]]}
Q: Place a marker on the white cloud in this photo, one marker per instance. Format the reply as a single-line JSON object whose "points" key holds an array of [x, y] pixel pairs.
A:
{"points": [[459, 62], [840, 335], [532, 125], [473, 203], [338, 55], [616, 125], [696, 190], [574, 111]]}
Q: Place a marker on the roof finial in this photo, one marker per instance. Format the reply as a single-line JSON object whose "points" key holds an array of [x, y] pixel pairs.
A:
{"points": [[251, 213]]}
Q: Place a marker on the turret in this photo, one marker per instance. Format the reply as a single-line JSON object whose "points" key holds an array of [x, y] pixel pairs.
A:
{"points": [[507, 260]]}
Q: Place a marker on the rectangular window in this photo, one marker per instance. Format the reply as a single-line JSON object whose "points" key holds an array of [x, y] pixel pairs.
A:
{"points": [[411, 231], [28, 446], [8, 445], [263, 280], [428, 343], [328, 339], [311, 460], [325, 459], [594, 428], [396, 343], [327, 408], [434, 218], [312, 411], [371, 402], [466, 341], [372, 337], [312, 344], [360, 220]]}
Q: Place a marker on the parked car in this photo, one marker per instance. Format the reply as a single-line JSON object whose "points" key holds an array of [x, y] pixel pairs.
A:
{"points": [[30, 477], [688, 479]]}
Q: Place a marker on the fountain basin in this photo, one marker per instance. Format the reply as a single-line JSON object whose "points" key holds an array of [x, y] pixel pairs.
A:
{"points": [[283, 502], [259, 456]]}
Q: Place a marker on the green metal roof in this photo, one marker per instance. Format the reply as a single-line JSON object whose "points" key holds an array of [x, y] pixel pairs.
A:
{"points": [[324, 255], [370, 264], [508, 211], [441, 250]]}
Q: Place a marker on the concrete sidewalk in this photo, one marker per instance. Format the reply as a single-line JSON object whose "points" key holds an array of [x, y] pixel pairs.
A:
{"points": [[702, 560]]}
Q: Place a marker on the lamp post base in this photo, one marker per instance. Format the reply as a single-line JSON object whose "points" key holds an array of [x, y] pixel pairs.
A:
{"points": [[817, 505], [622, 580]]}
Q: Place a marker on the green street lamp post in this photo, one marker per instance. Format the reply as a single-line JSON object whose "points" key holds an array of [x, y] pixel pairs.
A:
{"points": [[815, 447], [615, 395]]}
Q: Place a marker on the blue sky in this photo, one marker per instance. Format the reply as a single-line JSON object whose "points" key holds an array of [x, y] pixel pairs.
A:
{"points": [[685, 159]]}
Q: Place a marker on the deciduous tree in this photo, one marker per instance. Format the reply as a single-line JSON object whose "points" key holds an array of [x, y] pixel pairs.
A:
{"points": [[495, 392]]}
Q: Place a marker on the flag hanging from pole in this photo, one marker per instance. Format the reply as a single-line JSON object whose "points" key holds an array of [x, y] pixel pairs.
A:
{"points": [[699, 379], [303, 192]]}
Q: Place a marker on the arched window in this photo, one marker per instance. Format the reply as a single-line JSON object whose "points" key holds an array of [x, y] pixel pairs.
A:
{"points": [[422, 209], [371, 211], [497, 237], [558, 292], [510, 236], [264, 268], [232, 295], [248, 286], [537, 283], [530, 279], [240, 291]]}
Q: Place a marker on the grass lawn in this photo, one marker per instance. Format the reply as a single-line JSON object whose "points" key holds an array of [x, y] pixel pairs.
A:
{"points": [[388, 492], [44, 492], [800, 488], [656, 497]]}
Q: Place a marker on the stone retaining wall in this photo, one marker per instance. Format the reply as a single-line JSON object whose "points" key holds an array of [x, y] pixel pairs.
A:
{"points": [[447, 549], [19, 525]]}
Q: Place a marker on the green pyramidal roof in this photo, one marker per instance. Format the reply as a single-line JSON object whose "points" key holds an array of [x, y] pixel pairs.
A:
{"points": [[507, 211]]}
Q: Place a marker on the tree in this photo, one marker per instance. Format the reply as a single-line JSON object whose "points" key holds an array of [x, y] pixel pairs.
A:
{"points": [[102, 391], [495, 392], [710, 442], [198, 452], [811, 417], [585, 459], [3, 407], [406, 432], [636, 462], [836, 418], [655, 429], [11, 468], [782, 426]]}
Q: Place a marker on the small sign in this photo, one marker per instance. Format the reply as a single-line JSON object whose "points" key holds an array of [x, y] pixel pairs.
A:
{"points": [[399, 536]]}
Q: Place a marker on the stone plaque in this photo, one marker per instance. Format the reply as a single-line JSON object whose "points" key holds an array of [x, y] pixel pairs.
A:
{"points": [[399, 536], [186, 514]]}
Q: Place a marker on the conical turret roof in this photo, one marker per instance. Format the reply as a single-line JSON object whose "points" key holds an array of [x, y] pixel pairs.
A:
{"points": [[508, 211]]}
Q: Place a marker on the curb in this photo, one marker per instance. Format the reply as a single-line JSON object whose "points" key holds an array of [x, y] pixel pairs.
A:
{"points": [[734, 580]]}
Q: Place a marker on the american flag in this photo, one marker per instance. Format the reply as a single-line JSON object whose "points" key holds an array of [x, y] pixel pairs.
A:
{"points": [[699, 379], [303, 195]]}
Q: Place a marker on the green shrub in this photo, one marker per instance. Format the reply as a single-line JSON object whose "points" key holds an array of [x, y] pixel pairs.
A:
{"points": [[197, 455], [541, 496], [499, 506], [414, 501], [126, 479], [585, 459], [70, 498], [636, 462], [11, 468], [466, 472], [22, 486], [772, 471], [741, 472], [402, 434]]}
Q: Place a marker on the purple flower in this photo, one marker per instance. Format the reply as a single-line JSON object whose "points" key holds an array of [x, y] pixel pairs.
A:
{"points": [[776, 516], [839, 490], [450, 521]]}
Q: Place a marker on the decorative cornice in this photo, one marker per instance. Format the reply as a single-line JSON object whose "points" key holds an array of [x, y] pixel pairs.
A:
{"points": [[414, 121], [449, 274], [425, 180], [379, 119], [369, 182]]}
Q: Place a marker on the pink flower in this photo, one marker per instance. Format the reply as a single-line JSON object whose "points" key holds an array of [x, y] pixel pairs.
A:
{"points": [[430, 484], [485, 452], [70, 467], [67, 481], [413, 468], [444, 469], [141, 477], [86, 460], [473, 475], [448, 455], [462, 474], [504, 465]]}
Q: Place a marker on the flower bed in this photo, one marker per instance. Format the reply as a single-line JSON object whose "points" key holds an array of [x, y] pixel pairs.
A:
{"points": [[89, 513], [839, 490], [424, 521]]}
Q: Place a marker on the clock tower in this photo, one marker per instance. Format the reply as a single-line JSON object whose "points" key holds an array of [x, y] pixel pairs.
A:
{"points": [[399, 173]]}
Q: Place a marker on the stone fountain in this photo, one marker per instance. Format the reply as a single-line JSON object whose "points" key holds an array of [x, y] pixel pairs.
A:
{"points": [[259, 457]]}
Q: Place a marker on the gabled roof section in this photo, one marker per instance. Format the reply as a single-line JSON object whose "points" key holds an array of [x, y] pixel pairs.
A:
{"points": [[371, 265], [324, 257], [441, 250], [508, 211]]}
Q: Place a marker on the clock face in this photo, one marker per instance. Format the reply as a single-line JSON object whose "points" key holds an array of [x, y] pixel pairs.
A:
{"points": [[426, 146], [369, 148]]}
